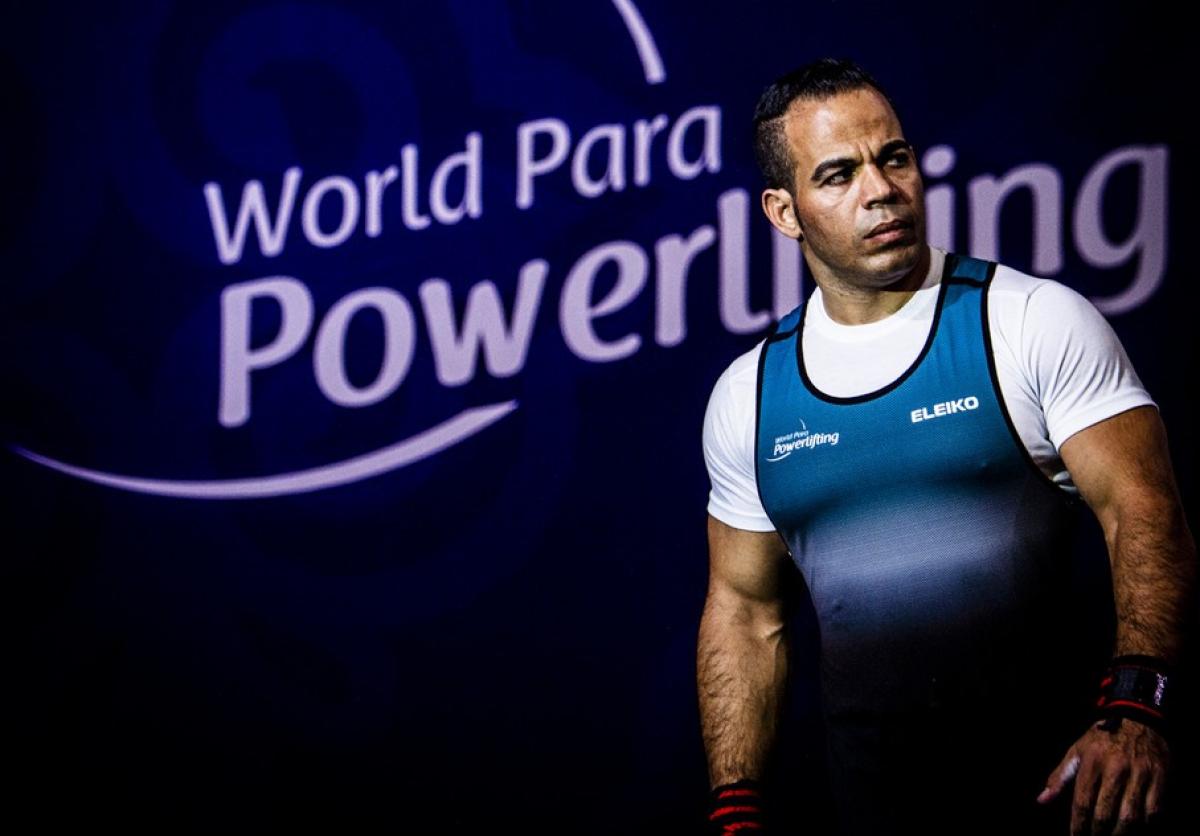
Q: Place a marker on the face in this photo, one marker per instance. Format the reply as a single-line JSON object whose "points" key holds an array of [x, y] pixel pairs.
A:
{"points": [[858, 206]]}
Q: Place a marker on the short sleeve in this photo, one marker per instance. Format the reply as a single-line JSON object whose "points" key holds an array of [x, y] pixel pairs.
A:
{"points": [[1080, 369], [729, 447]]}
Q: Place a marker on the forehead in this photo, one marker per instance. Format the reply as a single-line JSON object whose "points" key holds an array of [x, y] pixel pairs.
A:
{"points": [[839, 126]]}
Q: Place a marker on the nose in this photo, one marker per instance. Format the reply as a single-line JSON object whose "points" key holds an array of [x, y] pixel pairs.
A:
{"points": [[877, 188]]}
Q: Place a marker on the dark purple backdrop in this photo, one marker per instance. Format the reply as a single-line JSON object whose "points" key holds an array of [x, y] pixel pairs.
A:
{"points": [[503, 630]]}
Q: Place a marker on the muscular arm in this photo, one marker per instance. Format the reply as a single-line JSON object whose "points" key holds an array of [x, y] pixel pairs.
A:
{"points": [[1123, 471], [741, 658]]}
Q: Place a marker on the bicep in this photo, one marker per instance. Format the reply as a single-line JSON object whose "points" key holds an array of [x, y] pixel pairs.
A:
{"points": [[1122, 466], [746, 570]]}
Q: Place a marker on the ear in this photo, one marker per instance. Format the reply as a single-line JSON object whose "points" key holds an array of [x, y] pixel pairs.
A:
{"points": [[780, 209]]}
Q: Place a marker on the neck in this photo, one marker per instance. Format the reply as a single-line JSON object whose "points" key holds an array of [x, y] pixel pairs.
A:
{"points": [[850, 304]]}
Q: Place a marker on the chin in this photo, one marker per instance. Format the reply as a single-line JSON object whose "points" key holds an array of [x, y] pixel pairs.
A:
{"points": [[894, 263]]}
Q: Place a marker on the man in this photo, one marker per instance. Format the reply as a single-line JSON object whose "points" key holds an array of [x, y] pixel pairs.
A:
{"points": [[915, 438]]}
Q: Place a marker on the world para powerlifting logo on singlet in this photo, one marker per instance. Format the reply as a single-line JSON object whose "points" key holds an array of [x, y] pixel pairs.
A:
{"points": [[801, 439]]}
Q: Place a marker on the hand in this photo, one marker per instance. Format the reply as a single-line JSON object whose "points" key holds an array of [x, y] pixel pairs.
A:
{"points": [[1119, 767]]}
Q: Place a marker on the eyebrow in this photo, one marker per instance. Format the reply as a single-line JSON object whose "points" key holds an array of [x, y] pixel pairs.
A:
{"points": [[889, 148]]}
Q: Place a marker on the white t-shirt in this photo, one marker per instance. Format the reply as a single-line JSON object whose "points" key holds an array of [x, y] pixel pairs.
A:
{"points": [[1059, 365]]}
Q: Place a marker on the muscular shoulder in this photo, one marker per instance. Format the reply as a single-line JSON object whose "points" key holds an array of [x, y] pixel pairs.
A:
{"points": [[729, 419], [1023, 306], [729, 445], [740, 376], [1015, 295], [1057, 350]]}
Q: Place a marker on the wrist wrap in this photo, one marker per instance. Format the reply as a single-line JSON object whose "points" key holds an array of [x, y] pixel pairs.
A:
{"points": [[1135, 687], [737, 808]]}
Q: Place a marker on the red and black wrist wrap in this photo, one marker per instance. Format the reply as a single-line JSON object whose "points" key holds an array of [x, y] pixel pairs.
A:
{"points": [[738, 808], [1137, 688]]}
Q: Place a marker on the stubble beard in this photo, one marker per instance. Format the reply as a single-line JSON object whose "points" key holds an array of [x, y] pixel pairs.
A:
{"points": [[898, 274], [893, 272]]}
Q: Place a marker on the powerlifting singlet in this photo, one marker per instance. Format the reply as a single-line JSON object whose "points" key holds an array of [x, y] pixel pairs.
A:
{"points": [[933, 548]]}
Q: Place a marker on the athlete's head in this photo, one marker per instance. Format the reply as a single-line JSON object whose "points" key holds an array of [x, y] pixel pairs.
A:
{"points": [[837, 169], [821, 79]]}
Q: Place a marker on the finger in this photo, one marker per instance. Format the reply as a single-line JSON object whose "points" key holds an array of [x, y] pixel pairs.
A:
{"points": [[1062, 774], [1154, 794], [1129, 816], [1114, 772], [1087, 783]]}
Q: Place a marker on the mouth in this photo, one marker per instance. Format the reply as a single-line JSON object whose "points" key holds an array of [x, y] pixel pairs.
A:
{"points": [[892, 229]]}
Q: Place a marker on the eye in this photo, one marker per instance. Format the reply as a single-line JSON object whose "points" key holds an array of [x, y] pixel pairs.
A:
{"points": [[837, 178], [899, 159]]}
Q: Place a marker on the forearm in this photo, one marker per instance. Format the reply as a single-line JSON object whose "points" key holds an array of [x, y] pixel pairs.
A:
{"points": [[1154, 576], [1119, 769], [741, 667]]}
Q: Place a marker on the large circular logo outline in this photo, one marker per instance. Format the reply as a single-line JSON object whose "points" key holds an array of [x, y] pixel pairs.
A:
{"points": [[364, 466]]}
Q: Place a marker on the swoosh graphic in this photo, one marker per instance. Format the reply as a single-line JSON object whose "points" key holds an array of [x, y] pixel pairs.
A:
{"points": [[652, 63], [402, 453]]}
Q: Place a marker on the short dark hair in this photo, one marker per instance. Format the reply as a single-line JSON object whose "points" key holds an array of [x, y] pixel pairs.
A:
{"points": [[821, 79]]}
